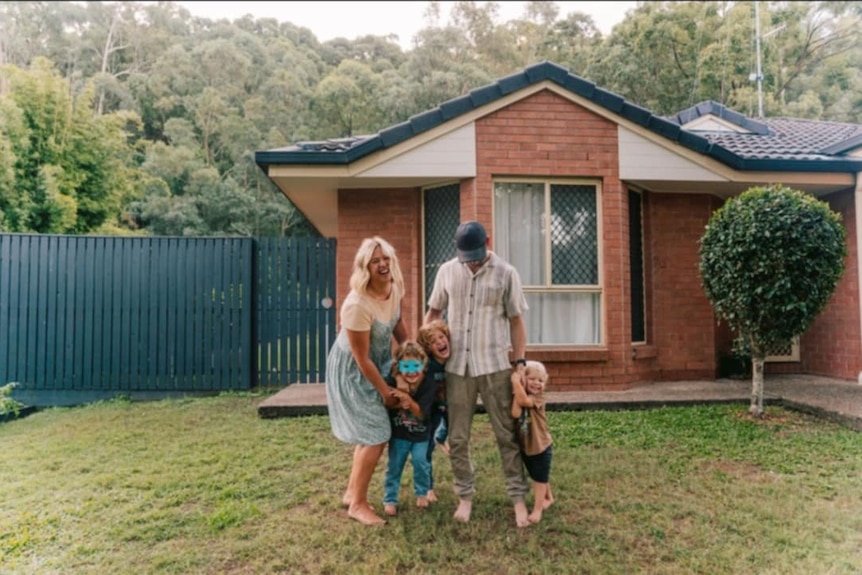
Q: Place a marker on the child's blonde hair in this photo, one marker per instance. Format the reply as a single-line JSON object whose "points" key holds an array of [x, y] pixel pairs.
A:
{"points": [[427, 329], [538, 367]]}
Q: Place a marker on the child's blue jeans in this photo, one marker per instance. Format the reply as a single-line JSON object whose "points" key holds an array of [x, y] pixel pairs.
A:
{"points": [[399, 449], [442, 430], [439, 433]]}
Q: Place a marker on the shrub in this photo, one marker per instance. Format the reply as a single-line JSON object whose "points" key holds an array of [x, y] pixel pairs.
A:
{"points": [[770, 259]]}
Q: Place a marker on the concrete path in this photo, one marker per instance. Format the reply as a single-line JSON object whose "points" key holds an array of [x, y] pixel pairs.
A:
{"points": [[833, 399]]}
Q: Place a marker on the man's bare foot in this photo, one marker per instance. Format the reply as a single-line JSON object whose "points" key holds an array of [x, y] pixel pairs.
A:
{"points": [[345, 502], [535, 516], [422, 502], [363, 513], [432, 497], [521, 517], [390, 509], [465, 508]]}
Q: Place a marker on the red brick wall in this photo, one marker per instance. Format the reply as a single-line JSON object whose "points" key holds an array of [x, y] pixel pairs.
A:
{"points": [[394, 215], [682, 323], [832, 346]]}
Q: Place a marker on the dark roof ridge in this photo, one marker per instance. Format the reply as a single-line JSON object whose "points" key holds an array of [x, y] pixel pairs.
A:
{"points": [[844, 146]]}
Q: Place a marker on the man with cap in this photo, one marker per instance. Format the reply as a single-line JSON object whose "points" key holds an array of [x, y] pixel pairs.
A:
{"points": [[484, 302]]}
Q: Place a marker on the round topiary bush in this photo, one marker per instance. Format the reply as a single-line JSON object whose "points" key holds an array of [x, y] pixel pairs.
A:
{"points": [[770, 259]]}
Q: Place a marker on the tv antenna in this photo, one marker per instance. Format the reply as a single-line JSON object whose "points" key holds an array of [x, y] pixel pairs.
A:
{"points": [[758, 75]]}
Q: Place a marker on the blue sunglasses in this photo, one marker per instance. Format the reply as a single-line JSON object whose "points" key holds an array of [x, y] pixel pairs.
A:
{"points": [[410, 366]]}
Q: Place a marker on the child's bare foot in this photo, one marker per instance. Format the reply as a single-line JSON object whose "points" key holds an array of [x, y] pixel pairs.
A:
{"points": [[521, 517], [390, 509], [535, 516], [465, 508], [422, 502], [432, 497], [364, 514]]}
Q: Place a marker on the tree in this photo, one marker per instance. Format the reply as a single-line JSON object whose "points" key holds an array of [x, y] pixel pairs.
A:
{"points": [[770, 259], [697, 51], [212, 92], [346, 101], [62, 168]]}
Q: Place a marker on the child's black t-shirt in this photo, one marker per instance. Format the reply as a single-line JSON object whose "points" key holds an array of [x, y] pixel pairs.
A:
{"points": [[404, 424]]}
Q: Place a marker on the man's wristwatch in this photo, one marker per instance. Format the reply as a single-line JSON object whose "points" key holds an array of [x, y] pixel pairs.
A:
{"points": [[519, 361]]}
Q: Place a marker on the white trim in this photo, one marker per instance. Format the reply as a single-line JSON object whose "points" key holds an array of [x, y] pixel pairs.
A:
{"points": [[711, 123], [643, 159], [452, 154], [857, 208]]}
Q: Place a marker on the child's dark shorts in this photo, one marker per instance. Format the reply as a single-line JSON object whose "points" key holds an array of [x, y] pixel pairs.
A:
{"points": [[539, 466]]}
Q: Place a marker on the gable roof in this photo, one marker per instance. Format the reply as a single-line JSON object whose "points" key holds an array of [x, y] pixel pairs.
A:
{"points": [[781, 138], [769, 144]]}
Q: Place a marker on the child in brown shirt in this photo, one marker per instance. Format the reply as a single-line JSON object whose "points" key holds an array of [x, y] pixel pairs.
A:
{"points": [[534, 437]]}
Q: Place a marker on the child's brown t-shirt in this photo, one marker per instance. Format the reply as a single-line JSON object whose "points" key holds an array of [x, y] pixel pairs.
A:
{"points": [[537, 437]]}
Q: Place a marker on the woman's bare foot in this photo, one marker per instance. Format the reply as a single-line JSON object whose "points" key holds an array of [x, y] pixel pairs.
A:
{"points": [[364, 514], [549, 500], [390, 509], [521, 517], [422, 502], [432, 497], [535, 516], [465, 508]]}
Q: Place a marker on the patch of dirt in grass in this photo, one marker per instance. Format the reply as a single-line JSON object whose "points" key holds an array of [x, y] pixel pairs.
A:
{"points": [[739, 470], [777, 418]]}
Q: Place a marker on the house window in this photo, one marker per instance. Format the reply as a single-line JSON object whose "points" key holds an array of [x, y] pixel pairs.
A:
{"points": [[549, 231], [636, 267], [785, 353], [440, 220]]}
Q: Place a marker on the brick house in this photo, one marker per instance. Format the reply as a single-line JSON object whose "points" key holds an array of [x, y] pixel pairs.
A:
{"points": [[614, 290]]}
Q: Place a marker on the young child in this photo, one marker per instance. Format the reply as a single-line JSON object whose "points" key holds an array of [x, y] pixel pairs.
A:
{"points": [[411, 426], [434, 339], [534, 437]]}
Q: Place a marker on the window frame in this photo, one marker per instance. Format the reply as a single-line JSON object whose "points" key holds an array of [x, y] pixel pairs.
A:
{"points": [[548, 287]]}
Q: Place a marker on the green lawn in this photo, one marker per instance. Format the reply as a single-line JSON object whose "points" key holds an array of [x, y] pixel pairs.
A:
{"points": [[205, 486]]}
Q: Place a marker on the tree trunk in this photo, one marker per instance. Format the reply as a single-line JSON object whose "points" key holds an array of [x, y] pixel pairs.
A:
{"points": [[756, 407]]}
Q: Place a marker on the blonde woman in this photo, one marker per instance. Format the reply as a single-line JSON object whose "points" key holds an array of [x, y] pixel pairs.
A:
{"points": [[356, 393]]}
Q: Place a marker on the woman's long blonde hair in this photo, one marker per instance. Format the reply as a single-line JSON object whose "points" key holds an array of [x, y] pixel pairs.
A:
{"points": [[360, 277]]}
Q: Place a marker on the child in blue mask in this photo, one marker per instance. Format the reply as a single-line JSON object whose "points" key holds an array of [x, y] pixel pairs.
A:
{"points": [[411, 426]]}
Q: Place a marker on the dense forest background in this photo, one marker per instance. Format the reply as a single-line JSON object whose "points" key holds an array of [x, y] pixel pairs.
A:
{"points": [[137, 118]]}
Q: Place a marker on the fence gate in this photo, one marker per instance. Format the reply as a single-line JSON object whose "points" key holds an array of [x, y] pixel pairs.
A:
{"points": [[85, 318], [295, 309]]}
